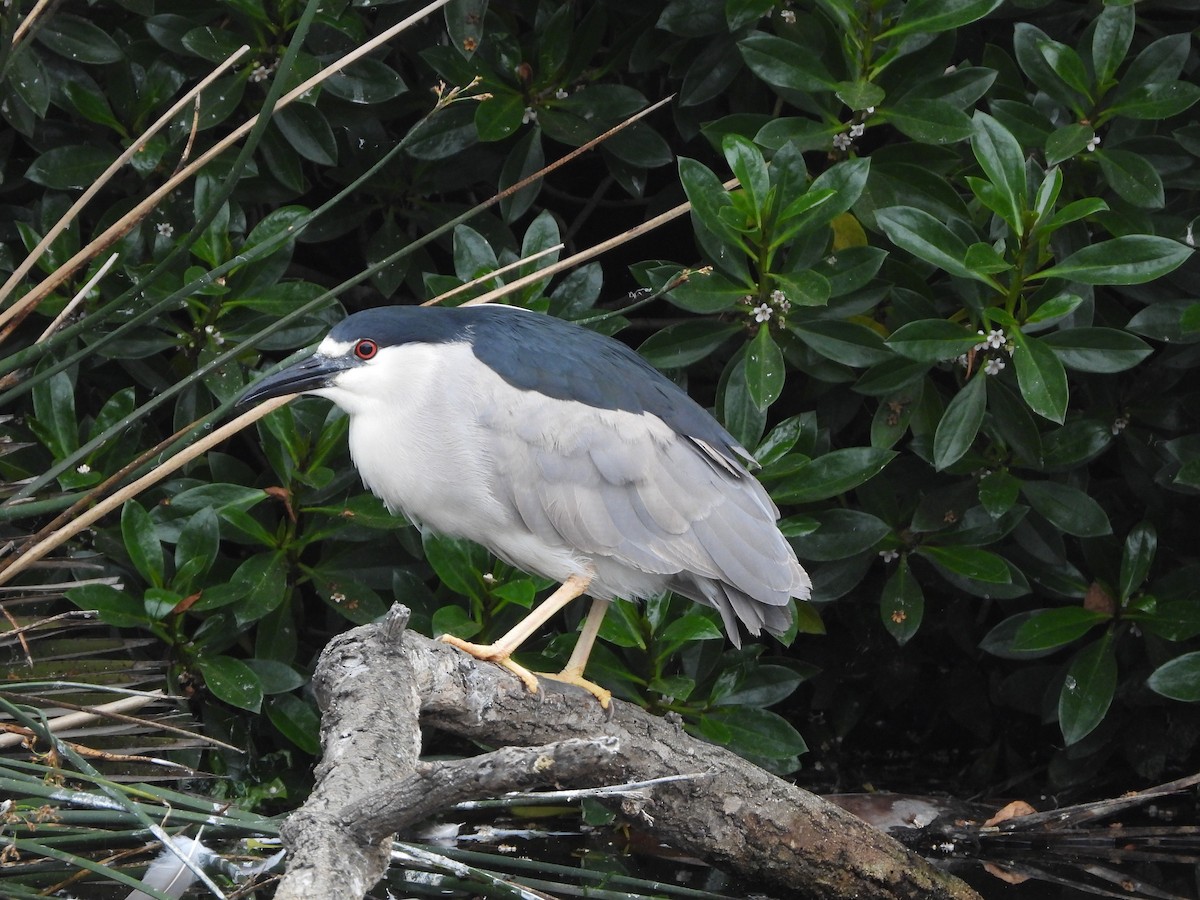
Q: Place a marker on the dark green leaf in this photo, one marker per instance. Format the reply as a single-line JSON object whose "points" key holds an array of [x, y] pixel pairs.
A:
{"points": [[684, 343], [1053, 309], [960, 423], [1132, 178], [500, 116], [1178, 678], [762, 686], [707, 293], [1088, 690], [970, 562], [834, 473], [926, 237], [860, 94], [1110, 40], [841, 533], [999, 155], [803, 288], [765, 370], [1131, 259], [998, 491], [78, 40], [1065, 142], [231, 680], [1174, 620], [70, 167], [1136, 558], [308, 133], [747, 164], [889, 377], [276, 677], [1041, 377], [687, 628], [902, 604], [932, 340], [1156, 101], [365, 81], [929, 16], [842, 341], [120, 609], [141, 542], [1067, 508], [1066, 65], [784, 64], [297, 721], [1049, 629], [755, 732], [1104, 350], [928, 121]]}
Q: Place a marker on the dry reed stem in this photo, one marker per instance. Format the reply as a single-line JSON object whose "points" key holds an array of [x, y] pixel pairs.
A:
{"points": [[108, 504], [69, 216], [27, 22], [118, 229], [474, 282]]}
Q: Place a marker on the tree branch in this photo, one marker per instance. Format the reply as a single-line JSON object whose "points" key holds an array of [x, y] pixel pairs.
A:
{"points": [[377, 683]]}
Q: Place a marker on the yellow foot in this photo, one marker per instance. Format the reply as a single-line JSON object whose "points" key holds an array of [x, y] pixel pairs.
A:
{"points": [[490, 653], [576, 678]]}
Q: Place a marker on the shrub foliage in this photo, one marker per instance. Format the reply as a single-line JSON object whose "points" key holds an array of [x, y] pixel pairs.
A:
{"points": [[950, 302]]}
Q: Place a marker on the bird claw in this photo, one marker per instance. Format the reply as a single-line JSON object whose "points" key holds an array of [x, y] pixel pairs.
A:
{"points": [[577, 679], [490, 653]]}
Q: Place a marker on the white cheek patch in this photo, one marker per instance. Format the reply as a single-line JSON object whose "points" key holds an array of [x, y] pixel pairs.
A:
{"points": [[331, 349]]}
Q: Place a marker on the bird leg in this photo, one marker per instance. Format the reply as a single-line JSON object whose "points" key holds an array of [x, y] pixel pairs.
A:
{"points": [[573, 673], [501, 650]]}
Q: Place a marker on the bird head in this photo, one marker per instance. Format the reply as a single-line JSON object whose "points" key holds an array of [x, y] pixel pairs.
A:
{"points": [[367, 357]]}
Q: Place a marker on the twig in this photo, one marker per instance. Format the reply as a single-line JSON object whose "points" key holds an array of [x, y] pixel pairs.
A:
{"points": [[104, 507], [488, 276]]}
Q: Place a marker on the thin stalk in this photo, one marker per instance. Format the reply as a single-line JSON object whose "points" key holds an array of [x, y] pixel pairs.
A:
{"points": [[116, 231], [71, 214]]}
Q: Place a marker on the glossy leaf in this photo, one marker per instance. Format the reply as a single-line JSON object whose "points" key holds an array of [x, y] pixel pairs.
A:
{"points": [[902, 604], [764, 368], [999, 154], [932, 340], [1104, 350], [834, 473], [1088, 690], [784, 64], [1178, 678], [998, 491], [1049, 629], [1132, 259], [142, 543], [1041, 377], [1067, 508], [231, 680], [1136, 558], [841, 533], [970, 562], [685, 343], [960, 423], [929, 16]]}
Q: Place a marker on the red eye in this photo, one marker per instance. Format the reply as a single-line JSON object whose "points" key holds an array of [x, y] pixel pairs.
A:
{"points": [[365, 349]]}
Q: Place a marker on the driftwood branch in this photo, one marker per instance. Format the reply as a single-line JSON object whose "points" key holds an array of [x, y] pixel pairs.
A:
{"points": [[375, 684]]}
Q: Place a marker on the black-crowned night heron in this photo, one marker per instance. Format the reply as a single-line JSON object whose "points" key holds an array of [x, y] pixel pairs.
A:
{"points": [[562, 452]]}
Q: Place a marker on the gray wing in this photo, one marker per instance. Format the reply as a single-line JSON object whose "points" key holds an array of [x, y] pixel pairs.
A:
{"points": [[626, 489]]}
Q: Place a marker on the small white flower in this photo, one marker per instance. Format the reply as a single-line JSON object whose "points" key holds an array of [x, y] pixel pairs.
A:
{"points": [[83, 468], [889, 555], [831, 260], [166, 229], [260, 73], [337, 597], [777, 296], [993, 366], [762, 313], [856, 131], [962, 360], [1189, 238], [842, 141], [1120, 423], [869, 110], [788, 15], [1093, 143], [560, 94], [996, 339], [982, 345], [530, 115]]}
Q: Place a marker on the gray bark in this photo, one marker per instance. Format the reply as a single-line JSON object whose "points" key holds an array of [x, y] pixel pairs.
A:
{"points": [[377, 683]]}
